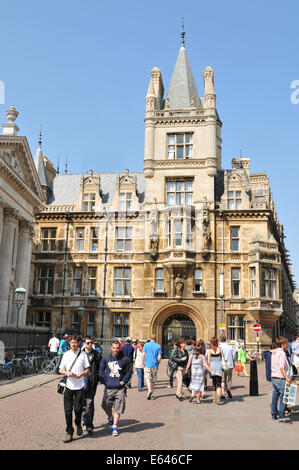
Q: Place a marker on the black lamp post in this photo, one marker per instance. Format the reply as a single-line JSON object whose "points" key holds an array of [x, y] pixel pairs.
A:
{"points": [[19, 298]]}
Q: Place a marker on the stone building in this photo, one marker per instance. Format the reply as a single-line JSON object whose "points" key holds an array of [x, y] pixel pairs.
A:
{"points": [[183, 248], [21, 197]]}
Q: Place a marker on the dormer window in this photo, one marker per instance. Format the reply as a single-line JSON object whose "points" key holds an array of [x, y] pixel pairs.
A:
{"points": [[89, 202], [125, 201], [234, 201], [180, 146]]}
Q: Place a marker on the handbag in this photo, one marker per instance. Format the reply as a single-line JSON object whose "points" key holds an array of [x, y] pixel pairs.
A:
{"points": [[61, 387], [238, 367], [172, 364], [224, 363], [187, 378]]}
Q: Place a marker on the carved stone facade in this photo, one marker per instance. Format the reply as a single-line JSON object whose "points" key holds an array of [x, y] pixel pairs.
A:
{"points": [[20, 198], [137, 249]]}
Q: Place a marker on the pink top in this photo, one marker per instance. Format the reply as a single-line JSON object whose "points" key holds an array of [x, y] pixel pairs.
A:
{"points": [[277, 363]]}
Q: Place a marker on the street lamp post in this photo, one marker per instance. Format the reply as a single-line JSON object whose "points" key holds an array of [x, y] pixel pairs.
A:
{"points": [[80, 315], [20, 294]]}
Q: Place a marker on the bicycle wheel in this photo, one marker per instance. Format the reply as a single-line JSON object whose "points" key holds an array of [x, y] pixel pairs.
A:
{"points": [[10, 371], [25, 367], [18, 368], [48, 366]]}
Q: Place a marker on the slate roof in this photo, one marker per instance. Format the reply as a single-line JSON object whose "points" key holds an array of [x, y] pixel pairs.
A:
{"points": [[182, 86], [66, 187]]}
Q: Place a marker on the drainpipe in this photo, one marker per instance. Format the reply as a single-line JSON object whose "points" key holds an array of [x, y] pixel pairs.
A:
{"points": [[105, 275]]}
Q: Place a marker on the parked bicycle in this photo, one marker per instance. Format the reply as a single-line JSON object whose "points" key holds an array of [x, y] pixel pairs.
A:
{"points": [[49, 365], [30, 363], [7, 370], [17, 362]]}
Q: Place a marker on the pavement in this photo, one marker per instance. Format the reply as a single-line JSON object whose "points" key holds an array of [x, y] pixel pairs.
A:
{"points": [[32, 418]]}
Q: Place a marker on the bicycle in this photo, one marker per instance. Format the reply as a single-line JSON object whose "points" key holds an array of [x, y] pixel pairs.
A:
{"points": [[7, 369], [29, 363], [49, 365], [17, 362]]}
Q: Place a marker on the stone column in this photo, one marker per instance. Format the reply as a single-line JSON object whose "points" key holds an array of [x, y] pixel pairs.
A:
{"points": [[22, 272], [6, 259], [1, 219]]}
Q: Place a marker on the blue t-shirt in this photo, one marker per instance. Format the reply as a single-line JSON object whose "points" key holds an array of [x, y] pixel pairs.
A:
{"points": [[152, 351], [63, 347]]}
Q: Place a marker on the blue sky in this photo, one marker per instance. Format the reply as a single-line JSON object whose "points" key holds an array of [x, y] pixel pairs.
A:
{"points": [[81, 70]]}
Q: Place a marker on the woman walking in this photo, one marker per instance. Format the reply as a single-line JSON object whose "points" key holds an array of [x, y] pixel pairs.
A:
{"points": [[197, 362], [214, 362], [201, 344], [242, 358], [139, 366], [172, 369], [181, 357]]}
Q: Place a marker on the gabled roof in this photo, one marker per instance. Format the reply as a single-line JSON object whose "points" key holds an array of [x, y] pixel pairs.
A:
{"points": [[182, 86]]}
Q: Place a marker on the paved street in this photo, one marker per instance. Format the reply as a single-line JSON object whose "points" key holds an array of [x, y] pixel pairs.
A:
{"points": [[34, 419]]}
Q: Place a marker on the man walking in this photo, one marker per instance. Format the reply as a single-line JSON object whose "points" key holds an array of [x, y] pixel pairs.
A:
{"points": [[53, 345], [90, 384], [75, 366], [63, 347], [279, 378], [152, 355], [115, 372], [128, 351], [227, 375]]}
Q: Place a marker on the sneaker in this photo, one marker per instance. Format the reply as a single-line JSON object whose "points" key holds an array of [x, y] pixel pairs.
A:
{"points": [[79, 431], [110, 422], [149, 395], [114, 431], [89, 431], [68, 438]]}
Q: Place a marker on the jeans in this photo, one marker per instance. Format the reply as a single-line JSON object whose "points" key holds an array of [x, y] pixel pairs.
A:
{"points": [[140, 375], [72, 399], [58, 363], [88, 407], [278, 391]]}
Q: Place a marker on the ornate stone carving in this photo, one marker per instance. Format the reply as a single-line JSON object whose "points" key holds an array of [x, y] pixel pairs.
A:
{"points": [[179, 285], [9, 156]]}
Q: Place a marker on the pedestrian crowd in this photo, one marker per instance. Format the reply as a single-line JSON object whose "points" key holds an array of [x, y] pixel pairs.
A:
{"points": [[192, 363]]}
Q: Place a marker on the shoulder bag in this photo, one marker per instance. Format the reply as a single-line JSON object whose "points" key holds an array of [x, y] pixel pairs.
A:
{"points": [[224, 363], [62, 383]]}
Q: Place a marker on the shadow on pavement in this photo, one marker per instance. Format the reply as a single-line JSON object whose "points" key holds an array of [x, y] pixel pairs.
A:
{"points": [[125, 426]]}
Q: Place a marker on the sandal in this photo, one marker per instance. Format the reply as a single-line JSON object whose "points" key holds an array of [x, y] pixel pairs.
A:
{"points": [[190, 399]]}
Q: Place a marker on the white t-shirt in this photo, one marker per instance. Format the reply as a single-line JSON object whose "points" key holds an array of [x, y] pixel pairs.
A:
{"points": [[54, 344], [81, 363]]}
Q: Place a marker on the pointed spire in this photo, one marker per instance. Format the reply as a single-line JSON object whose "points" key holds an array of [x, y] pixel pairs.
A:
{"points": [[182, 93], [39, 163]]}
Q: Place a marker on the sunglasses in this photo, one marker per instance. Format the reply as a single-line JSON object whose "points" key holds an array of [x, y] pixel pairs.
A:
{"points": [[88, 342]]}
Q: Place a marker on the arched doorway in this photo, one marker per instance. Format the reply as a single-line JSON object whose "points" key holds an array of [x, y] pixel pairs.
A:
{"points": [[175, 327]]}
